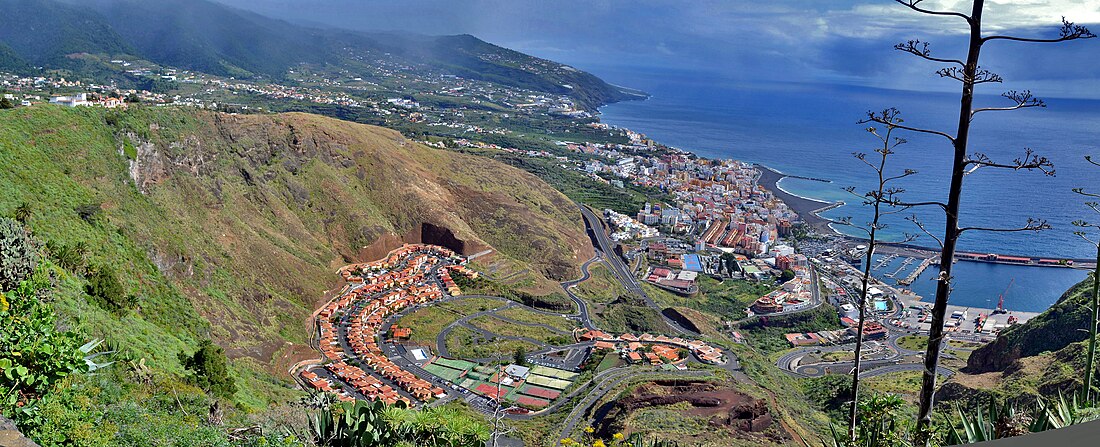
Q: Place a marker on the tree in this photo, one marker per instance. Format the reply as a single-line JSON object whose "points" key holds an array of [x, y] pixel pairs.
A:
{"points": [[88, 211], [6, 103], [787, 275], [72, 257], [884, 196], [1090, 359], [18, 253], [729, 261], [519, 356], [209, 370], [969, 74], [107, 291]]}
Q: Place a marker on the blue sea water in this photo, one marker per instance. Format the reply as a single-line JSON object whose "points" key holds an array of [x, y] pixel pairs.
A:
{"points": [[811, 130]]}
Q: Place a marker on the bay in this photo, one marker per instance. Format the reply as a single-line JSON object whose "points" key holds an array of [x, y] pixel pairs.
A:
{"points": [[812, 130]]}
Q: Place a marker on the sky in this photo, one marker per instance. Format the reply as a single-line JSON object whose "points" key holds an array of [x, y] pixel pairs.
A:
{"points": [[831, 41]]}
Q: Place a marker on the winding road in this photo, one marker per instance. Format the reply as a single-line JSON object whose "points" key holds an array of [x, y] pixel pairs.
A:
{"points": [[605, 249]]}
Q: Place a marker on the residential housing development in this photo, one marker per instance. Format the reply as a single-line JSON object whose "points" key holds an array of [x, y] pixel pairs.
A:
{"points": [[349, 325], [358, 333]]}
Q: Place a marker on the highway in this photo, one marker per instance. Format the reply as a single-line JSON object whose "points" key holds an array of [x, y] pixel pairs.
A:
{"points": [[605, 249]]}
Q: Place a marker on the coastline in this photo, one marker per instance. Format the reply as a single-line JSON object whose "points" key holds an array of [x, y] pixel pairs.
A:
{"points": [[805, 207]]}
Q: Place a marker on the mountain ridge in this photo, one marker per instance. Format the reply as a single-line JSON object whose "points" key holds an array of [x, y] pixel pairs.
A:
{"points": [[213, 38]]}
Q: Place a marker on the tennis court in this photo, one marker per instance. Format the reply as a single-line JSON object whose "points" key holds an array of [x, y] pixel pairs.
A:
{"points": [[692, 263], [490, 390], [544, 393], [548, 382], [553, 372], [444, 372]]}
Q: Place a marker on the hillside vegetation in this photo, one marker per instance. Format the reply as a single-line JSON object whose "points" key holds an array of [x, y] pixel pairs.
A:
{"points": [[1042, 357], [1059, 326], [230, 227]]}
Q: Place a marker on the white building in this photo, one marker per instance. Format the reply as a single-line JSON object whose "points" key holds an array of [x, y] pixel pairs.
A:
{"points": [[80, 99]]}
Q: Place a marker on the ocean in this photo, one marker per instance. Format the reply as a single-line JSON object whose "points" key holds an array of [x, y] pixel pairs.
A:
{"points": [[812, 130]]}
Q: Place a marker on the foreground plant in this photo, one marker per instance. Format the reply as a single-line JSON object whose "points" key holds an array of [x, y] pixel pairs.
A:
{"points": [[970, 74], [1090, 361], [370, 424], [617, 440], [879, 424], [884, 196], [34, 354]]}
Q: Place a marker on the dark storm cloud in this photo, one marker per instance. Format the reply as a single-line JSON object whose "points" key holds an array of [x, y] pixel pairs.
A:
{"points": [[785, 40]]}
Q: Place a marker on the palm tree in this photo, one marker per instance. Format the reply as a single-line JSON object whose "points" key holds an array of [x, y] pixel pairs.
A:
{"points": [[22, 212]]}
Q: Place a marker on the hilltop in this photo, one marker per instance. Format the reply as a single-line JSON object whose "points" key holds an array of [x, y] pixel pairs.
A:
{"points": [[230, 226], [212, 38], [1040, 357]]}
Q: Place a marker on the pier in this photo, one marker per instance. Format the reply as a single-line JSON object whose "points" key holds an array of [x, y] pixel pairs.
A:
{"points": [[916, 272], [918, 251], [904, 264], [885, 260]]}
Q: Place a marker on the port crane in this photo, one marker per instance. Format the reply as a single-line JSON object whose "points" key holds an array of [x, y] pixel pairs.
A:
{"points": [[1001, 304]]}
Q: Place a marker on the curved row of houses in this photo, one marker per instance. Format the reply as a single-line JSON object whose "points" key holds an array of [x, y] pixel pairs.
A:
{"points": [[381, 288]]}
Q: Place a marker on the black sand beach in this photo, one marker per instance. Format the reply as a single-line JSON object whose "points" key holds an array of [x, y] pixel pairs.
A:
{"points": [[804, 207]]}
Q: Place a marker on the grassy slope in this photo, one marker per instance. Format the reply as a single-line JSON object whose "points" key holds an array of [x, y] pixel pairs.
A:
{"points": [[1062, 324], [601, 287], [243, 218], [1042, 357]]}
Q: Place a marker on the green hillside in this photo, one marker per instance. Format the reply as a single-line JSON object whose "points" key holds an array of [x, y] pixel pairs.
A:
{"points": [[44, 32], [1064, 323], [231, 227], [1042, 357]]}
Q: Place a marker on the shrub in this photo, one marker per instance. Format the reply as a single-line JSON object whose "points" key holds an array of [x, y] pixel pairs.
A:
{"points": [[18, 253], [360, 423], [71, 257], [88, 211], [209, 370], [107, 291], [34, 354], [831, 392]]}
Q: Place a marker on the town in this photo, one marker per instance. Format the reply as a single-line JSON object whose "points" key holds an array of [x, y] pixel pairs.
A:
{"points": [[367, 353]]}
